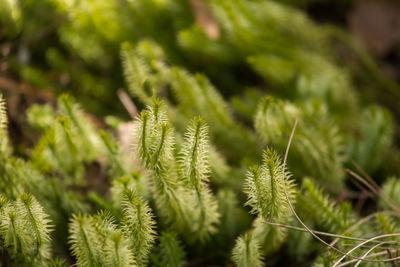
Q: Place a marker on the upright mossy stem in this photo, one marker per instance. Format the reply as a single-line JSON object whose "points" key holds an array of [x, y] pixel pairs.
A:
{"points": [[157, 161], [194, 154], [194, 163], [27, 202], [246, 252], [193, 172], [86, 242], [143, 151], [17, 241], [97, 241], [264, 189], [171, 252], [138, 225], [67, 103], [25, 229], [334, 216], [115, 156], [255, 200], [180, 179]]}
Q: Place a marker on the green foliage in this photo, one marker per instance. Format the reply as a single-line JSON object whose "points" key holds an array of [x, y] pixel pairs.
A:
{"points": [[317, 144], [10, 16], [69, 143], [267, 187], [195, 169], [391, 190], [270, 238], [118, 161], [315, 202], [154, 145], [99, 241], [136, 73], [181, 173], [138, 226], [41, 116], [375, 138], [195, 96], [180, 182], [247, 252], [386, 224], [233, 215], [136, 181], [84, 241], [213, 84], [95, 241], [25, 230], [169, 251]]}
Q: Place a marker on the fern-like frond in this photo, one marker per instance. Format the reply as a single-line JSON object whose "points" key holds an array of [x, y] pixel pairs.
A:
{"points": [[117, 252], [87, 137], [386, 225], [265, 188], [179, 181], [194, 154], [153, 137], [69, 142], [136, 181], [375, 138], [316, 149], [41, 117], [96, 241], [84, 240], [11, 229], [246, 252], [269, 187], [25, 229], [274, 118], [323, 210], [269, 237], [391, 190], [104, 223], [169, 252], [115, 246], [58, 262], [138, 226], [65, 148], [3, 202], [117, 161], [195, 168], [24, 178], [154, 144], [136, 72], [197, 96], [59, 150], [233, 216], [37, 223]]}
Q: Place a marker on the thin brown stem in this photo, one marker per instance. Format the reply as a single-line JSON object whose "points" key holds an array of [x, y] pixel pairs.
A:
{"points": [[297, 216], [374, 190], [365, 242], [363, 220], [128, 103]]}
